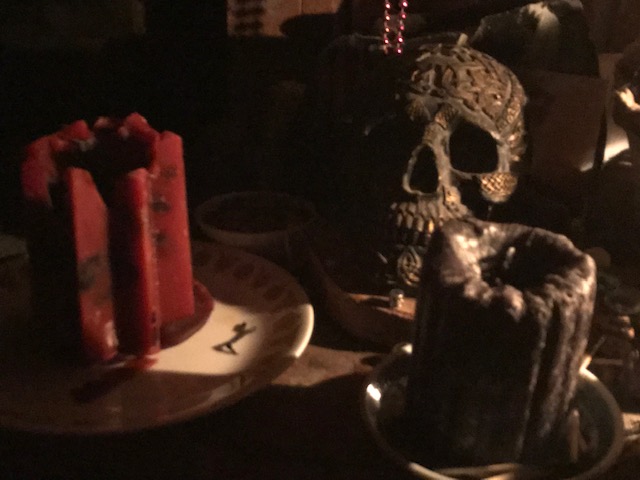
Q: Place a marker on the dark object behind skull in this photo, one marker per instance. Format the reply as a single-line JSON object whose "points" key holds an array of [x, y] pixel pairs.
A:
{"points": [[362, 136], [614, 221]]}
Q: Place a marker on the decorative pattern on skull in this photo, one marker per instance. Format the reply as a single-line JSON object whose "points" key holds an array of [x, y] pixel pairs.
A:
{"points": [[452, 84]]}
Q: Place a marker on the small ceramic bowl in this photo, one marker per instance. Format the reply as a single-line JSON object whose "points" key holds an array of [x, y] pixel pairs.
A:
{"points": [[270, 224]]}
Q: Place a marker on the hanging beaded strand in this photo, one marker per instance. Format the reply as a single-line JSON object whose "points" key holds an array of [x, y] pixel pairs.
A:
{"points": [[393, 37]]}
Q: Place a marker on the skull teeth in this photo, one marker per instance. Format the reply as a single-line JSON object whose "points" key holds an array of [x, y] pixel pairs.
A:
{"points": [[409, 227]]}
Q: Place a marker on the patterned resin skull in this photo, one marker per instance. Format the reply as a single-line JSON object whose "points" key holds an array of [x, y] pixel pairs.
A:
{"points": [[454, 85]]}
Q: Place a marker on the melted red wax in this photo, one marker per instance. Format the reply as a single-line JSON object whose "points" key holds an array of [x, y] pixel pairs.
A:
{"points": [[177, 332], [172, 334]]}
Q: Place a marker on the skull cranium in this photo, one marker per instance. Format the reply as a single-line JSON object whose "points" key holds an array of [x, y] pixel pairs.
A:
{"points": [[453, 85]]}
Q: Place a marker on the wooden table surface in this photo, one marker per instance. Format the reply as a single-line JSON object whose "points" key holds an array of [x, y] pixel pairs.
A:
{"points": [[306, 425]]}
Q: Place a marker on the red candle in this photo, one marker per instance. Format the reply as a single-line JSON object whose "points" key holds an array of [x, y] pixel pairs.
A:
{"points": [[170, 218], [90, 232], [135, 267], [114, 192]]}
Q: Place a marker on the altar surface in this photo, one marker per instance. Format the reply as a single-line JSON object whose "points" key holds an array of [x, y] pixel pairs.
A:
{"points": [[307, 423]]}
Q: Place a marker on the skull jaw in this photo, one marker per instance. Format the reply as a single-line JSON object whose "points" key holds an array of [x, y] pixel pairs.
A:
{"points": [[410, 225]]}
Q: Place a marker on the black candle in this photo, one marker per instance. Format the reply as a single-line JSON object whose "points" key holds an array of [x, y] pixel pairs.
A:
{"points": [[502, 324]]}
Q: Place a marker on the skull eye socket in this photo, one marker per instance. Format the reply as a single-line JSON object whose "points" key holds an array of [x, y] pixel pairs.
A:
{"points": [[472, 149], [425, 174]]}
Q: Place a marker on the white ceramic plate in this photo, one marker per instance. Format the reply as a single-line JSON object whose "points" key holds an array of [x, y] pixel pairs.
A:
{"points": [[383, 404], [261, 322]]}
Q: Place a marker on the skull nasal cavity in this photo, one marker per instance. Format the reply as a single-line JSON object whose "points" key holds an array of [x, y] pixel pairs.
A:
{"points": [[472, 149], [425, 173]]}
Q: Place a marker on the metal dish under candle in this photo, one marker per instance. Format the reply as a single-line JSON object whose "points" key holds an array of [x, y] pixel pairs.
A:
{"points": [[383, 405]]}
